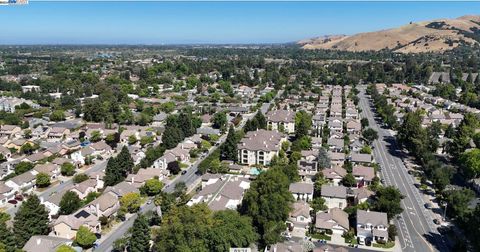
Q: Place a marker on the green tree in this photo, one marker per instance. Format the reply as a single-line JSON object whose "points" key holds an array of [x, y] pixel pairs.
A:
{"points": [[303, 124], [349, 180], [323, 159], [370, 135], [152, 187], [69, 203], [364, 123], [470, 163], [219, 121], [229, 148], [140, 235], [96, 136], [79, 178], [85, 238], [23, 167], [7, 238], [174, 167], [261, 120], [132, 139], [57, 115], [67, 169], [31, 219], [130, 202], [42, 180], [65, 248], [267, 202], [318, 204], [387, 200], [231, 230]]}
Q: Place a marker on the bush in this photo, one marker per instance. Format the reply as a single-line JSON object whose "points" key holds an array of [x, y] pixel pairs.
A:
{"points": [[67, 169], [42, 180], [79, 178]]}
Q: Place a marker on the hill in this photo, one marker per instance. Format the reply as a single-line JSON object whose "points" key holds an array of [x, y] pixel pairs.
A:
{"points": [[428, 36]]}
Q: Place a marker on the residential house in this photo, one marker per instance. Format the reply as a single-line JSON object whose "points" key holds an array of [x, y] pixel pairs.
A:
{"points": [[299, 217], [45, 243], [334, 220], [302, 191], [372, 225], [334, 174], [24, 182], [361, 159], [57, 134], [364, 175], [335, 196], [66, 226], [6, 193], [10, 131]]}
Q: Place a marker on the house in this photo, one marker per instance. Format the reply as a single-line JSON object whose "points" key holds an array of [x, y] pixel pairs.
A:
{"points": [[24, 182], [34, 158], [106, 205], [299, 217], [309, 155], [307, 169], [57, 134], [351, 113], [222, 193], [121, 189], [176, 154], [372, 225], [84, 188], [53, 203], [302, 191], [50, 169], [364, 175], [6, 193], [66, 226], [337, 158], [281, 120], [10, 131], [334, 174], [137, 180], [260, 146], [335, 196], [336, 144], [360, 195], [354, 127], [360, 158], [45, 243], [80, 156], [335, 220]]}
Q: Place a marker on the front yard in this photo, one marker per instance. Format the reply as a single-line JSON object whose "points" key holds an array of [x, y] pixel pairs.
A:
{"points": [[387, 245], [321, 236]]}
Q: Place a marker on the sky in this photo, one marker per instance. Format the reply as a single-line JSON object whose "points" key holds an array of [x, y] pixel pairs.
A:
{"points": [[208, 22]]}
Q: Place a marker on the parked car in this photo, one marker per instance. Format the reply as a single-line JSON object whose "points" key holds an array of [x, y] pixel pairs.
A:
{"points": [[436, 221], [13, 202], [184, 172], [428, 206]]}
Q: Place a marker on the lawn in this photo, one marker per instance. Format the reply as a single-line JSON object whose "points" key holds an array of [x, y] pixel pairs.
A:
{"points": [[385, 246], [352, 241], [321, 236]]}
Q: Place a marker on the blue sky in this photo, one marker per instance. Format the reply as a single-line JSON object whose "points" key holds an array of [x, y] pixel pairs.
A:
{"points": [[208, 22]]}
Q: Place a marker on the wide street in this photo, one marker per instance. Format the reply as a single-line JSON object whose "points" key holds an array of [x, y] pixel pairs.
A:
{"points": [[415, 226]]}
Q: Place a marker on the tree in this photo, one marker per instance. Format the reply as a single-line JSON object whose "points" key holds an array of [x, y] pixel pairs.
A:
{"points": [[69, 203], [27, 148], [23, 167], [364, 122], [231, 230], [132, 139], [140, 235], [366, 149], [180, 188], [31, 219], [267, 202], [370, 135], [219, 121], [7, 238], [302, 143], [152, 187], [125, 162], [261, 121], [85, 238], [470, 163], [229, 148], [96, 136], [174, 167], [323, 159], [42, 180], [349, 180], [171, 137], [303, 124], [392, 232], [67, 169], [318, 204], [130, 202], [57, 115], [387, 200], [65, 248], [79, 178]]}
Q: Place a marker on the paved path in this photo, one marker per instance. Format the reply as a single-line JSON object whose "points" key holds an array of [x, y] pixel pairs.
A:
{"points": [[416, 229]]}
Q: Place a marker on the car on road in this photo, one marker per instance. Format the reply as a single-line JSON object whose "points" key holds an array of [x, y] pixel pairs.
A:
{"points": [[436, 221], [13, 202], [428, 205], [184, 172], [149, 202]]}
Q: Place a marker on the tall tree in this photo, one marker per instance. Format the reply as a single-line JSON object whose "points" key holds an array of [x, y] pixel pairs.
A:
{"points": [[113, 175], [303, 123], [85, 238], [219, 121], [31, 219], [388, 201], [7, 238], [261, 120], [69, 203], [229, 148], [140, 235], [125, 161]]}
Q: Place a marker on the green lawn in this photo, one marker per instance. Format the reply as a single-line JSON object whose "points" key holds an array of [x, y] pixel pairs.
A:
{"points": [[385, 246], [352, 241], [321, 236]]}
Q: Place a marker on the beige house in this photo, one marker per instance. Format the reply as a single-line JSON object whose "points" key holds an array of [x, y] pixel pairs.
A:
{"points": [[260, 146], [281, 119]]}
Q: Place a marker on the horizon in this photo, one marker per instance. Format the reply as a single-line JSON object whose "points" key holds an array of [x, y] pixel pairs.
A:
{"points": [[208, 23]]}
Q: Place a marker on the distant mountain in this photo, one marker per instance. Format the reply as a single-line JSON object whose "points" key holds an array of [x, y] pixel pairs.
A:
{"points": [[429, 36]]}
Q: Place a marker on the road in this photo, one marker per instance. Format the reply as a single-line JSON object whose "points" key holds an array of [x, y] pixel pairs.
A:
{"points": [[45, 195], [415, 226]]}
